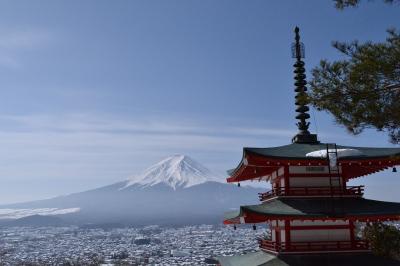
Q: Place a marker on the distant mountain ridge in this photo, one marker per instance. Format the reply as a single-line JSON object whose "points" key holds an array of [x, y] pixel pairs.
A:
{"points": [[177, 190]]}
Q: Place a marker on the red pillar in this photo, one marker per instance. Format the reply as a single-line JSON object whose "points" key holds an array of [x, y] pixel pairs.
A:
{"points": [[287, 234], [277, 236]]}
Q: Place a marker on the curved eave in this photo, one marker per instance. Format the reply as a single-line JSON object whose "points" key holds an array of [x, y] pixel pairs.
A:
{"points": [[316, 209], [255, 166], [257, 218]]}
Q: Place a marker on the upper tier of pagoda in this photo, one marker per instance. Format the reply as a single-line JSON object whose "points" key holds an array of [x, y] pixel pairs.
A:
{"points": [[306, 150], [260, 163]]}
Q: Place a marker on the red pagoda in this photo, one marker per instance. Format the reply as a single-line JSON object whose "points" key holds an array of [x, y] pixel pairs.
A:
{"points": [[311, 211]]}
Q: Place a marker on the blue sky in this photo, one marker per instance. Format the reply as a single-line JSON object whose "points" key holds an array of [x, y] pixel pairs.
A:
{"points": [[93, 92]]}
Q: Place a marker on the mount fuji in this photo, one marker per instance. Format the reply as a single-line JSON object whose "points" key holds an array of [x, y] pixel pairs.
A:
{"points": [[177, 190], [178, 171]]}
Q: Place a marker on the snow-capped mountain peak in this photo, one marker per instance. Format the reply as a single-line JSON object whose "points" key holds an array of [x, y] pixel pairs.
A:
{"points": [[178, 171]]}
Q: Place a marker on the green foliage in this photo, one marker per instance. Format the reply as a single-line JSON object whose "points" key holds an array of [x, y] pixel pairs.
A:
{"points": [[363, 89], [342, 4], [384, 239]]}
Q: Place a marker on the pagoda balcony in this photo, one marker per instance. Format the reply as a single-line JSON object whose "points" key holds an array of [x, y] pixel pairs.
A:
{"points": [[313, 192], [313, 246]]}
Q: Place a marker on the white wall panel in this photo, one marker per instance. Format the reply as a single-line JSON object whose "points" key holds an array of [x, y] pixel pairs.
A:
{"points": [[310, 169], [311, 182], [320, 235]]}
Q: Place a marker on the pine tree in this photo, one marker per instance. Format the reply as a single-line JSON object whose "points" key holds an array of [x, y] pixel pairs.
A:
{"points": [[384, 239], [341, 4], [362, 90]]}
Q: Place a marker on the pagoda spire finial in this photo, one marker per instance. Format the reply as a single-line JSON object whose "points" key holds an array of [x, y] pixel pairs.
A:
{"points": [[303, 136]]}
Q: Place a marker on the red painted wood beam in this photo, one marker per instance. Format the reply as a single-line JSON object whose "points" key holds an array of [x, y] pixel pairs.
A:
{"points": [[254, 166]]}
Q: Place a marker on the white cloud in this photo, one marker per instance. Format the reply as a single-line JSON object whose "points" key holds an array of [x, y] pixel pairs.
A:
{"points": [[77, 146], [23, 38], [15, 41], [149, 125]]}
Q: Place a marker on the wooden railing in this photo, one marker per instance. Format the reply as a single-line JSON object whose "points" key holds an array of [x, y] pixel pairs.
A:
{"points": [[313, 246], [313, 191]]}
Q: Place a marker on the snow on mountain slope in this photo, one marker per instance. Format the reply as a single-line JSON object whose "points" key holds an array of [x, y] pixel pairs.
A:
{"points": [[178, 171]]}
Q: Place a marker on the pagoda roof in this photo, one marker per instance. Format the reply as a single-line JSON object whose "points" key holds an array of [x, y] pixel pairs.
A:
{"points": [[259, 162], [315, 208], [261, 258], [299, 151]]}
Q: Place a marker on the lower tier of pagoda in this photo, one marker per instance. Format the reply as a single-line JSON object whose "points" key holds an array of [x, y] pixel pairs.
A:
{"points": [[314, 225]]}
